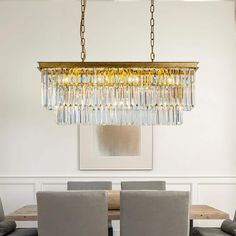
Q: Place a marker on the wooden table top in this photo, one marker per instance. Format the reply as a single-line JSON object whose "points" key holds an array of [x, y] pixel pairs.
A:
{"points": [[197, 212]]}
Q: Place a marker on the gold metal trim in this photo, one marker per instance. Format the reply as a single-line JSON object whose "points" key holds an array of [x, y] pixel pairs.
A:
{"points": [[47, 65]]}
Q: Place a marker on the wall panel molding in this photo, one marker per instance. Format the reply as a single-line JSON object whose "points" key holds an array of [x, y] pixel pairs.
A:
{"points": [[54, 182], [202, 188]]}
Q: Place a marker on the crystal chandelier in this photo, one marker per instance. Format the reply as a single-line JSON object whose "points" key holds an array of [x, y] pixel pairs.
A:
{"points": [[118, 93]]}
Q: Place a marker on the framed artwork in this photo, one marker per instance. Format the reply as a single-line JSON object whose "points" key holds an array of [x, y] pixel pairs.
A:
{"points": [[115, 147]]}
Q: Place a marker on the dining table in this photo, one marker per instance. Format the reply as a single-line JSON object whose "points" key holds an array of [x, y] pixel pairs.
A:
{"points": [[197, 212]]}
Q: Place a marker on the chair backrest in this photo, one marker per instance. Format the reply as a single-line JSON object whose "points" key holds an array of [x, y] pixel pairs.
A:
{"points": [[143, 185], [154, 213], [106, 185], [82, 213], [2, 215]]}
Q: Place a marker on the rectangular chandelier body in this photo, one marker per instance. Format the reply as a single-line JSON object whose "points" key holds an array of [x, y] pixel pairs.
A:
{"points": [[118, 93]]}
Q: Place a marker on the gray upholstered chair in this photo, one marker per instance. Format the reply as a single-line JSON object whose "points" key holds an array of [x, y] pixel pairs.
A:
{"points": [[205, 231], [2, 216], [154, 213], [82, 213], [143, 185], [210, 231], [24, 232], [80, 185], [96, 185], [4, 222]]}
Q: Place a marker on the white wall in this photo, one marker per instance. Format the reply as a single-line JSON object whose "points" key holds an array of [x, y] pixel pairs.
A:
{"points": [[198, 156]]}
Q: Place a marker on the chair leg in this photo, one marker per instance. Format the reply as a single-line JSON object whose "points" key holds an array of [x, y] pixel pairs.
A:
{"points": [[110, 231], [191, 227]]}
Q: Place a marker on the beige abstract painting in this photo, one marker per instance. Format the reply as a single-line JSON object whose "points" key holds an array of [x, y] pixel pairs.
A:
{"points": [[117, 140], [115, 147]]}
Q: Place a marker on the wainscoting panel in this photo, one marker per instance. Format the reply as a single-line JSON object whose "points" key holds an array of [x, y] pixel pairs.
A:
{"points": [[53, 186], [219, 195], [216, 191], [14, 195]]}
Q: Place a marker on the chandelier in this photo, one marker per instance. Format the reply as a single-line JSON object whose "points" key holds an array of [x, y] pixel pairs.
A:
{"points": [[118, 93]]}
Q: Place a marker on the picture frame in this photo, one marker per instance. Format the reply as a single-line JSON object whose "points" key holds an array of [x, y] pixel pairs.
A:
{"points": [[115, 147]]}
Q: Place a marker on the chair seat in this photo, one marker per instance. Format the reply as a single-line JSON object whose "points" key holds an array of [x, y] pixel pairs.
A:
{"points": [[24, 232], [204, 231]]}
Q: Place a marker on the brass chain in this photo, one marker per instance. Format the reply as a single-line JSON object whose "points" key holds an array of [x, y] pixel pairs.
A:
{"points": [[152, 34], [82, 30]]}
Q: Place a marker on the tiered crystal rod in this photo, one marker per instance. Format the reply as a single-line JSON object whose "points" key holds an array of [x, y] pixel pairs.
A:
{"points": [[118, 93]]}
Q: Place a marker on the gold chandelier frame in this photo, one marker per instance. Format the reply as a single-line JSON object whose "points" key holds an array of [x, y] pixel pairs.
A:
{"points": [[154, 65]]}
